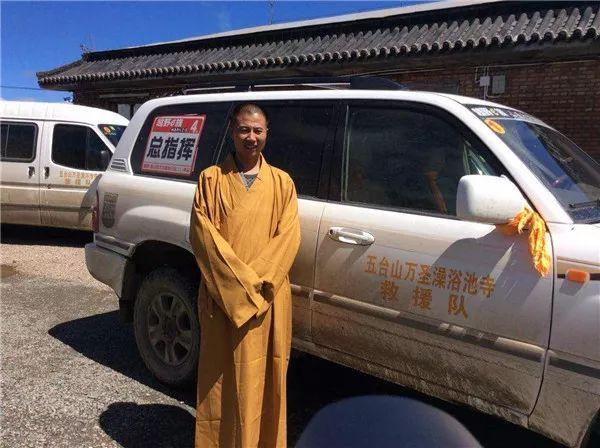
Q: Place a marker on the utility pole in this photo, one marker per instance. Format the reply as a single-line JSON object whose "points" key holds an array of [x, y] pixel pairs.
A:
{"points": [[271, 11]]}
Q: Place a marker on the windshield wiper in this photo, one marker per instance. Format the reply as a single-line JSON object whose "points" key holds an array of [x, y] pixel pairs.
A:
{"points": [[595, 202]]}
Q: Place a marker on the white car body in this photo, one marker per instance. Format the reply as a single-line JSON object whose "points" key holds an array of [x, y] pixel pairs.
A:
{"points": [[39, 190], [529, 350]]}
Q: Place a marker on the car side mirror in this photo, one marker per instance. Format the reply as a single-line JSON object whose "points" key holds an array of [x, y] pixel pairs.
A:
{"points": [[105, 156], [488, 199]]}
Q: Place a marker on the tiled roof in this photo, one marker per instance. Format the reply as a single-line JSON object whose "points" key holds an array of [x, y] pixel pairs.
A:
{"points": [[514, 23]]}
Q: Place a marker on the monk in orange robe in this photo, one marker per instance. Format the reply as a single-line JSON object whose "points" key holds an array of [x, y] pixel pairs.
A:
{"points": [[245, 234]]}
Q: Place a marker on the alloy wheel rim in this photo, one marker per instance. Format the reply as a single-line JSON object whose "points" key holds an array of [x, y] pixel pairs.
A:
{"points": [[169, 329]]}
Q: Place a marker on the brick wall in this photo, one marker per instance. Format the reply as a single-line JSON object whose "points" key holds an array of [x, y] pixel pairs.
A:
{"points": [[564, 95]]}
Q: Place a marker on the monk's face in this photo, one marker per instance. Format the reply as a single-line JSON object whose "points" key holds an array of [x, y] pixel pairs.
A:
{"points": [[249, 134]]}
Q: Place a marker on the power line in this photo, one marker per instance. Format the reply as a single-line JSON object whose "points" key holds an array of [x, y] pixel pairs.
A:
{"points": [[20, 88]]}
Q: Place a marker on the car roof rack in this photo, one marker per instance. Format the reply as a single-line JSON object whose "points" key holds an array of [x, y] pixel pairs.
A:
{"points": [[328, 83]]}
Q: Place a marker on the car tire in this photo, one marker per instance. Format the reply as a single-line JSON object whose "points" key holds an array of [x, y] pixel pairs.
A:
{"points": [[166, 327]]}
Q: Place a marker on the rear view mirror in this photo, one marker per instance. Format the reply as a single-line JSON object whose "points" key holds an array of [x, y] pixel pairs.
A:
{"points": [[488, 199], [105, 156]]}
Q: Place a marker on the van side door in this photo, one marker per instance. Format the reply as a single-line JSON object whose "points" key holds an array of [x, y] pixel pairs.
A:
{"points": [[20, 143], [74, 155], [452, 308]]}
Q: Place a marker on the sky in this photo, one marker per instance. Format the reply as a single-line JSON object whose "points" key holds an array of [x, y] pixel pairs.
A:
{"points": [[39, 36]]}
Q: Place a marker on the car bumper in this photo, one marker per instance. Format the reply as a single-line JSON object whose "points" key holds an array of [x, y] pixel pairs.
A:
{"points": [[106, 266]]}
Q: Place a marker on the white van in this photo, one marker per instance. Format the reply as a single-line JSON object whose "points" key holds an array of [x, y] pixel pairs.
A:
{"points": [[402, 272], [50, 154]]}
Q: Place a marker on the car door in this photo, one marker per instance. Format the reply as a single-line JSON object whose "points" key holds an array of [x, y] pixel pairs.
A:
{"points": [[75, 154], [300, 142], [19, 181], [450, 307]]}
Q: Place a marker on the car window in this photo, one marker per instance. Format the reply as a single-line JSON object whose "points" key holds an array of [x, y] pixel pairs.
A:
{"points": [[179, 141], [408, 158], [298, 135], [17, 142], [113, 132], [79, 147], [570, 174], [97, 155]]}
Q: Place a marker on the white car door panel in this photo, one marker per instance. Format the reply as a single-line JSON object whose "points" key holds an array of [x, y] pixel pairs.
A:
{"points": [[65, 177], [466, 325], [302, 272], [439, 302]]}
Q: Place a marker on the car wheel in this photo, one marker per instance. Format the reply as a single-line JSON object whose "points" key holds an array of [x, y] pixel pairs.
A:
{"points": [[166, 326]]}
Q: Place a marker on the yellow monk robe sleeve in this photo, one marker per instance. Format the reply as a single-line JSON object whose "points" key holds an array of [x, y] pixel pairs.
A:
{"points": [[231, 283], [275, 260]]}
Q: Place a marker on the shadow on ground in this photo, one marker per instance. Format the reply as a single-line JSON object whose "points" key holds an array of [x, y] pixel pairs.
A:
{"points": [[312, 384], [46, 236], [106, 340], [148, 426]]}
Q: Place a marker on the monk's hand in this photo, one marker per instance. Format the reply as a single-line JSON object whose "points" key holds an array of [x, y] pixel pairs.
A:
{"points": [[268, 293]]}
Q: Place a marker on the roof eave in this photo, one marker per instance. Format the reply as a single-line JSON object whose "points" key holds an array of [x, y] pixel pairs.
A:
{"points": [[505, 55]]}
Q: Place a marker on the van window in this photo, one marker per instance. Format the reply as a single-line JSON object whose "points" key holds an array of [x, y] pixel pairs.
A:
{"points": [[79, 147], [298, 135], [113, 132], [179, 141], [409, 159], [17, 142]]}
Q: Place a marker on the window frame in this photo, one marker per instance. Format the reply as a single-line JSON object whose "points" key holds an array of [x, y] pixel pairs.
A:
{"points": [[171, 109], [87, 145], [323, 180], [35, 142], [341, 147]]}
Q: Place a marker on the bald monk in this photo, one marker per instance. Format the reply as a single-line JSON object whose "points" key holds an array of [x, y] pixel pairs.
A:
{"points": [[245, 234]]}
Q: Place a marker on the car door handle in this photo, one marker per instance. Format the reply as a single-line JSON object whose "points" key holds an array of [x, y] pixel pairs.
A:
{"points": [[46, 171], [351, 236], [31, 171]]}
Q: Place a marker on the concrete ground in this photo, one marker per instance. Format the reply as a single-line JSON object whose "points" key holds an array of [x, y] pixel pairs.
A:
{"points": [[71, 375]]}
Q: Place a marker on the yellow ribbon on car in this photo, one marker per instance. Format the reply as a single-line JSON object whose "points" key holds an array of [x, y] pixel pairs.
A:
{"points": [[540, 253]]}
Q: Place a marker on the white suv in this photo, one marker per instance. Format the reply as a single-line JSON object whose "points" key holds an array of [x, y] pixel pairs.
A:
{"points": [[402, 271]]}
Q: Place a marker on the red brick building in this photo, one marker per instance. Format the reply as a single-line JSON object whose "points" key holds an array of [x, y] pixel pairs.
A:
{"points": [[542, 57]]}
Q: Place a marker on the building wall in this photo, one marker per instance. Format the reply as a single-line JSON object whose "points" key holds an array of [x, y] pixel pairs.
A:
{"points": [[564, 95]]}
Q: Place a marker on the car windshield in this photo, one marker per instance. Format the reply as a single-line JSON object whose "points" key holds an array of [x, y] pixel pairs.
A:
{"points": [[112, 132], [569, 173]]}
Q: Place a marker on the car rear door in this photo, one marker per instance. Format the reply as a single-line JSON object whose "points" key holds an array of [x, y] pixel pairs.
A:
{"points": [[450, 307], [300, 142], [20, 144]]}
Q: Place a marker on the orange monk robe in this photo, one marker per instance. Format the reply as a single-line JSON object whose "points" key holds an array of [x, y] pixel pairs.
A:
{"points": [[245, 242]]}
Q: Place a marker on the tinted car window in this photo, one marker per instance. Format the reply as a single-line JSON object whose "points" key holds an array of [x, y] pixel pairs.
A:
{"points": [[112, 132], [167, 143], [79, 147], [411, 159], [17, 142], [298, 136], [97, 154], [3, 138]]}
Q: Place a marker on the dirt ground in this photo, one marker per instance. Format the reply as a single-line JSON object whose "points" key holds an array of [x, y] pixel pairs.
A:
{"points": [[71, 375]]}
